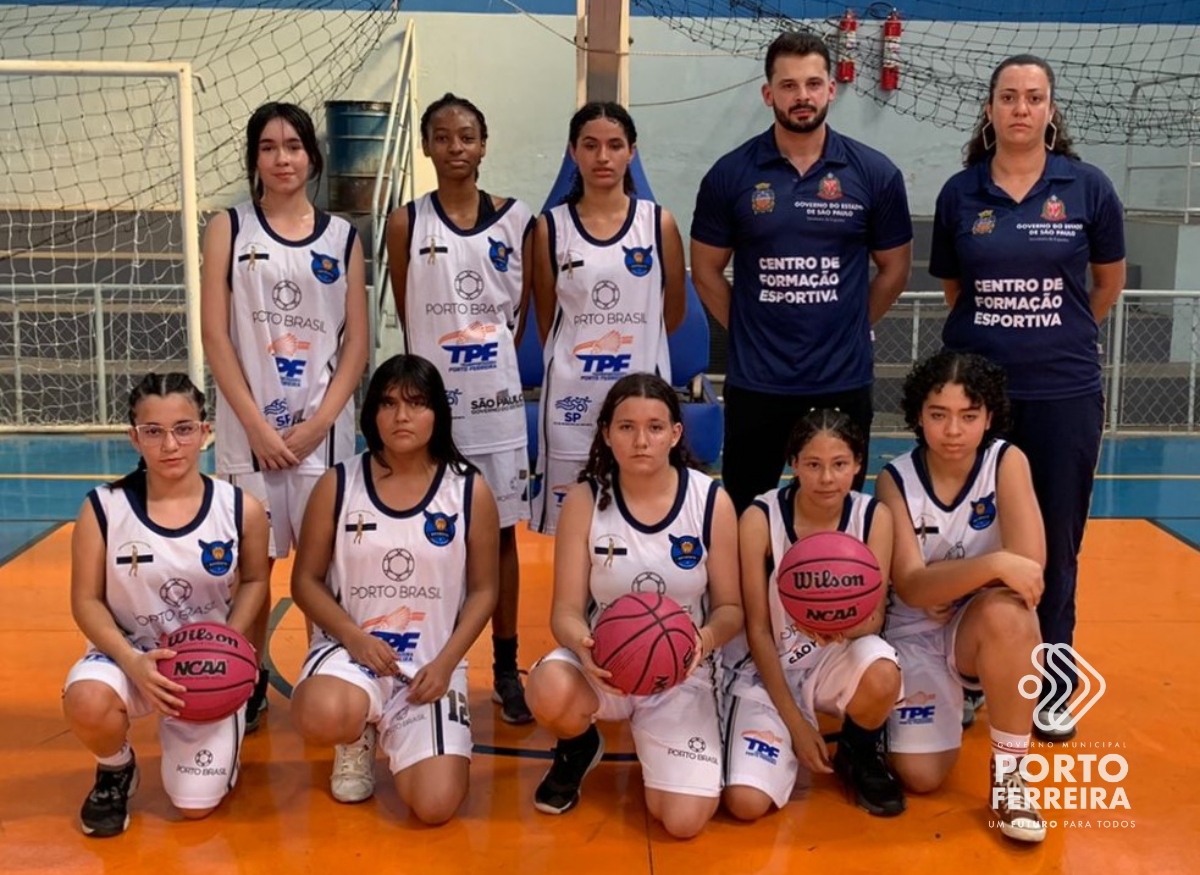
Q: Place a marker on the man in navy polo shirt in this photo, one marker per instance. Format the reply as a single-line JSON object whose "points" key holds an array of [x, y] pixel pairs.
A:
{"points": [[799, 208]]}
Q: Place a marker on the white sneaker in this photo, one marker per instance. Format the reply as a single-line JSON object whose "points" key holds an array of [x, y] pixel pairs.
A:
{"points": [[353, 778]]}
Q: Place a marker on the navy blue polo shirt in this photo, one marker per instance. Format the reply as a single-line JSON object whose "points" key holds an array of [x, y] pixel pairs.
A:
{"points": [[1023, 269], [798, 321]]}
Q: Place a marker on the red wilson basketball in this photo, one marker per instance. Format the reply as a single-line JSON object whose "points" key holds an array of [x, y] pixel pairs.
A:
{"points": [[646, 640], [829, 582], [216, 664]]}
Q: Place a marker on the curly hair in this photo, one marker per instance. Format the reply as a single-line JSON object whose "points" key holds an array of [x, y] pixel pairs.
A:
{"points": [[982, 380], [601, 462]]}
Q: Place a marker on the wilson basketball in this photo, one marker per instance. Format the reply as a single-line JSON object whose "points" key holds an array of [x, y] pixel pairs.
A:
{"points": [[646, 640], [829, 582], [216, 664]]}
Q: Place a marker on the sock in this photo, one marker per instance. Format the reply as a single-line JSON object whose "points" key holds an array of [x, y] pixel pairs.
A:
{"points": [[119, 759], [504, 654], [580, 741], [859, 739], [1009, 744]]}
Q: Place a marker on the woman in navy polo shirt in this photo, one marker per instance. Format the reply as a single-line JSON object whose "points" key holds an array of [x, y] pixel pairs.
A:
{"points": [[1016, 235]]}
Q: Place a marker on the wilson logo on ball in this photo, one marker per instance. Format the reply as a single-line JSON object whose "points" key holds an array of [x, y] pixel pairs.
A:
{"points": [[826, 579]]}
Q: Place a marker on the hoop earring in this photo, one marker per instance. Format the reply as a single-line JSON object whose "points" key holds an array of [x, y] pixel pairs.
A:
{"points": [[1053, 129], [983, 133]]}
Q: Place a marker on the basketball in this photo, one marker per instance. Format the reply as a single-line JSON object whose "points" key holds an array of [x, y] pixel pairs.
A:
{"points": [[829, 582], [216, 664], [646, 640]]}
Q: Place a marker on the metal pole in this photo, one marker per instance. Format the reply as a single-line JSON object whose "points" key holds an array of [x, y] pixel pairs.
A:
{"points": [[1118, 352], [190, 213], [20, 398], [1191, 407], [101, 355], [916, 329]]}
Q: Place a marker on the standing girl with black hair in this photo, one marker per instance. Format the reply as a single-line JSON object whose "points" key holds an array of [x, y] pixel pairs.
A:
{"points": [[163, 547], [457, 258], [284, 317], [608, 287], [397, 571]]}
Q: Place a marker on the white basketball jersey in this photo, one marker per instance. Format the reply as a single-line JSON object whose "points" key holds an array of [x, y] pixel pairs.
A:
{"points": [[608, 321], [159, 579], [461, 312], [401, 575], [795, 648], [669, 558], [287, 314], [961, 530]]}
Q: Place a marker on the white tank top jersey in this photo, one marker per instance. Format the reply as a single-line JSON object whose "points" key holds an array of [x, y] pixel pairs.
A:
{"points": [[669, 558], [462, 309], [401, 575], [287, 315], [608, 321], [796, 650], [159, 579], [961, 530]]}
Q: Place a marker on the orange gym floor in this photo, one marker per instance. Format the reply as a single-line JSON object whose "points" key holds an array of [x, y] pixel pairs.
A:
{"points": [[1139, 626]]}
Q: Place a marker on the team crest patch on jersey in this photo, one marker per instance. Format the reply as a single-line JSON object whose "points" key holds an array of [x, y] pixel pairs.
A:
{"points": [[639, 259], [762, 200], [1054, 210], [440, 528], [830, 188], [983, 512], [498, 252], [985, 222], [216, 556], [686, 551], [325, 268]]}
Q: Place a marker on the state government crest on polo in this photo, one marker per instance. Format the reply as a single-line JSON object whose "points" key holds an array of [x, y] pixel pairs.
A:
{"points": [[1054, 210], [763, 199], [830, 188]]}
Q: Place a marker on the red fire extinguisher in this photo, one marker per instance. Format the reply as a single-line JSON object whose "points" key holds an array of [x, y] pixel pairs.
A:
{"points": [[848, 42], [889, 70]]}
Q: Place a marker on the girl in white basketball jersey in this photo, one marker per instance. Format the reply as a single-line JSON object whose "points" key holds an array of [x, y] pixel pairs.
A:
{"points": [[397, 570], [967, 567], [159, 549], [457, 260], [781, 674], [608, 287], [284, 318], [640, 518]]}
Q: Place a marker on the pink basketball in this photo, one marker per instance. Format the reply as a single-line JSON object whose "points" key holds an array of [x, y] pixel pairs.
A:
{"points": [[646, 640], [829, 582], [216, 664]]}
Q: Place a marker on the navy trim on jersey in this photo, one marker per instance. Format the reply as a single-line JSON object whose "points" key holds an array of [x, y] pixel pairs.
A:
{"points": [[889, 468], [658, 244], [186, 529], [727, 739], [322, 658], [350, 238], [1003, 448], [330, 461], [786, 496], [101, 516], [235, 766], [369, 482], [710, 506], [480, 226], [552, 243], [339, 493], [918, 458], [320, 223], [439, 741], [468, 493], [233, 232], [653, 528], [616, 238], [847, 507], [238, 511], [868, 518]]}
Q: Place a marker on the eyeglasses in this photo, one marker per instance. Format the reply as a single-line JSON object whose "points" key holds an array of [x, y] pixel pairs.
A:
{"points": [[184, 432]]}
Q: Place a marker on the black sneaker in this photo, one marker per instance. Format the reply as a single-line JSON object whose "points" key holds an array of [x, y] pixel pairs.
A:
{"points": [[105, 812], [257, 705], [509, 694], [869, 780], [573, 759], [972, 702]]}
